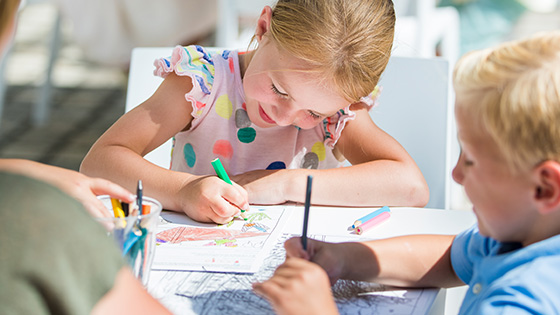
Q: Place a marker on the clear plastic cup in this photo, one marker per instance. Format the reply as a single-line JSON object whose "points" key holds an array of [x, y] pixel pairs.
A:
{"points": [[135, 235]]}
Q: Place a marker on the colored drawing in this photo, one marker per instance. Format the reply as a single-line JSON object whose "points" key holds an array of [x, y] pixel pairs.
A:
{"points": [[183, 234], [257, 216], [238, 246]]}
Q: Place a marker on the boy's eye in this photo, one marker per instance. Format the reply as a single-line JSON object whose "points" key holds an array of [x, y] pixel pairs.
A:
{"points": [[468, 162], [277, 92]]}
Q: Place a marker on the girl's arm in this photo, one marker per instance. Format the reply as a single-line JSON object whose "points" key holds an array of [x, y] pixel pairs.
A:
{"points": [[382, 173], [118, 156]]}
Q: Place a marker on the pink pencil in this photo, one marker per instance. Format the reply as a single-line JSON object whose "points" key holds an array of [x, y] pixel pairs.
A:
{"points": [[373, 222]]}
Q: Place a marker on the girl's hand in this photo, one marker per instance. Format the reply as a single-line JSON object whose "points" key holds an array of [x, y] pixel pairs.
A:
{"points": [[326, 255], [263, 186], [298, 287], [210, 199]]}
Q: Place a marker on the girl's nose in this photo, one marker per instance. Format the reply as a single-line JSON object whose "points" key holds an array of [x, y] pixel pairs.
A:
{"points": [[285, 115]]}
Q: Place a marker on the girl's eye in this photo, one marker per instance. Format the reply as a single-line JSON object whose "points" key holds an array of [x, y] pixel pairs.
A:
{"points": [[468, 162], [277, 92], [314, 115]]}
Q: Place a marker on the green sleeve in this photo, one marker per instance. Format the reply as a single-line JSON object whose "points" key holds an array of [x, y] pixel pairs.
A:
{"points": [[55, 259]]}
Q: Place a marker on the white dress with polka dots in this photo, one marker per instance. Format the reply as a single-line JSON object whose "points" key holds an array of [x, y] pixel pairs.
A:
{"points": [[221, 127]]}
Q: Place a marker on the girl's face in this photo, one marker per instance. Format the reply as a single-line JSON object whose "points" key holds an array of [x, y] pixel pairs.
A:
{"points": [[502, 201], [279, 90]]}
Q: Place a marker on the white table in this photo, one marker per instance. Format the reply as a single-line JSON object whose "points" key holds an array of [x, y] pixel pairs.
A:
{"points": [[226, 293]]}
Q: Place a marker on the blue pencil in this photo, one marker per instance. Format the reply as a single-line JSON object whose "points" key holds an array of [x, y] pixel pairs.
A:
{"points": [[370, 216]]}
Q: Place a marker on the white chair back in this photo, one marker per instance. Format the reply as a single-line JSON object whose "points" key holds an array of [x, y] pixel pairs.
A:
{"points": [[415, 108]]}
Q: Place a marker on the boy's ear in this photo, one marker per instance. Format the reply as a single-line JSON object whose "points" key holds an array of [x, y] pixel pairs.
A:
{"points": [[547, 190], [263, 24]]}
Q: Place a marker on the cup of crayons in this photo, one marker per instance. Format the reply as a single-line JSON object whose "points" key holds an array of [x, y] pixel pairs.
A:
{"points": [[133, 227], [371, 220]]}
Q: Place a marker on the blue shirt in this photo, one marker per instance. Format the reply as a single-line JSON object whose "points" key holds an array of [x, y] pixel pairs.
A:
{"points": [[521, 281]]}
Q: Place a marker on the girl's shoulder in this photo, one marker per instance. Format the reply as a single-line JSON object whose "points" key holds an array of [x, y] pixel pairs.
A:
{"points": [[194, 61]]}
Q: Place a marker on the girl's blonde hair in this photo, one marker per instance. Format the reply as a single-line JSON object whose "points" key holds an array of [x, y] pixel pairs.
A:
{"points": [[347, 42], [8, 10], [514, 92]]}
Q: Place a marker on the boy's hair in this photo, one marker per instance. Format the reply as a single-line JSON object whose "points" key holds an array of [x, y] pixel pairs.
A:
{"points": [[8, 10], [348, 42], [514, 92]]}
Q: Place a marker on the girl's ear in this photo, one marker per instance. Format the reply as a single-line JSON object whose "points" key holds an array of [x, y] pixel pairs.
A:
{"points": [[263, 24], [547, 190]]}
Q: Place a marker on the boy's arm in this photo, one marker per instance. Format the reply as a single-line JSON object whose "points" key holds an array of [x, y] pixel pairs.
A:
{"points": [[299, 286], [408, 261]]}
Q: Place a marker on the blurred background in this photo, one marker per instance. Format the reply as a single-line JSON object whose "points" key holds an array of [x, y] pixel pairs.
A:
{"points": [[64, 80]]}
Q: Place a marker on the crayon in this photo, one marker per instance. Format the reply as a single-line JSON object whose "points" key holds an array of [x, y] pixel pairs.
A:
{"points": [[373, 222], [117, 208], [125, 208], [146, 209], [367, 217]]}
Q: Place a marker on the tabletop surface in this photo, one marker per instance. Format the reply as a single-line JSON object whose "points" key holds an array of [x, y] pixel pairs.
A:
{"points": [[190, 292]]}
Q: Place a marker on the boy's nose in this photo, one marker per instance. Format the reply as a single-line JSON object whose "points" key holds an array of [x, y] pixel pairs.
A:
{"points": [[457, 172]]}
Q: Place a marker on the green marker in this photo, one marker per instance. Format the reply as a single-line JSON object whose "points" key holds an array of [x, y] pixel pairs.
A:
{"points": [[221, 172]]}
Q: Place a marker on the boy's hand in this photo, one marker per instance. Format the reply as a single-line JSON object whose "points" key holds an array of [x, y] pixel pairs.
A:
{"points": [[326, 255], [210, 199], [298, 287]]}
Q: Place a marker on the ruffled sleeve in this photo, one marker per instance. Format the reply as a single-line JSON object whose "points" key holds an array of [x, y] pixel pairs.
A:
{"points": [[195, 62], [334, 125]]}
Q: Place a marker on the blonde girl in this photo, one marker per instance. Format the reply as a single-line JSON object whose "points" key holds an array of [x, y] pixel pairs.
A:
{"points": [[296, 105]]}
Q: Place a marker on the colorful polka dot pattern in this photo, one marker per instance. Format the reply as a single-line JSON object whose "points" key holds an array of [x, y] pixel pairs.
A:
{"points": [[278, 165], [319, 149], [310, 161], [188, 153], [224, 107], [246, 135], [223, 148]]}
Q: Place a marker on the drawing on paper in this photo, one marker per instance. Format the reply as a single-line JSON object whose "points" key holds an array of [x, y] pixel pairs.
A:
{"points": [[182, 234], [239, 246]]}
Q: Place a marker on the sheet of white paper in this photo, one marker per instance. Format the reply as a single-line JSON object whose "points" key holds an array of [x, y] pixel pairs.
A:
{"points": [[240, 246], [231, 293]]}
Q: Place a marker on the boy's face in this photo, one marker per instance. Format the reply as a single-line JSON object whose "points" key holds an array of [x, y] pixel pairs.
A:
{"points": [[278, 91], [501, 200]]}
